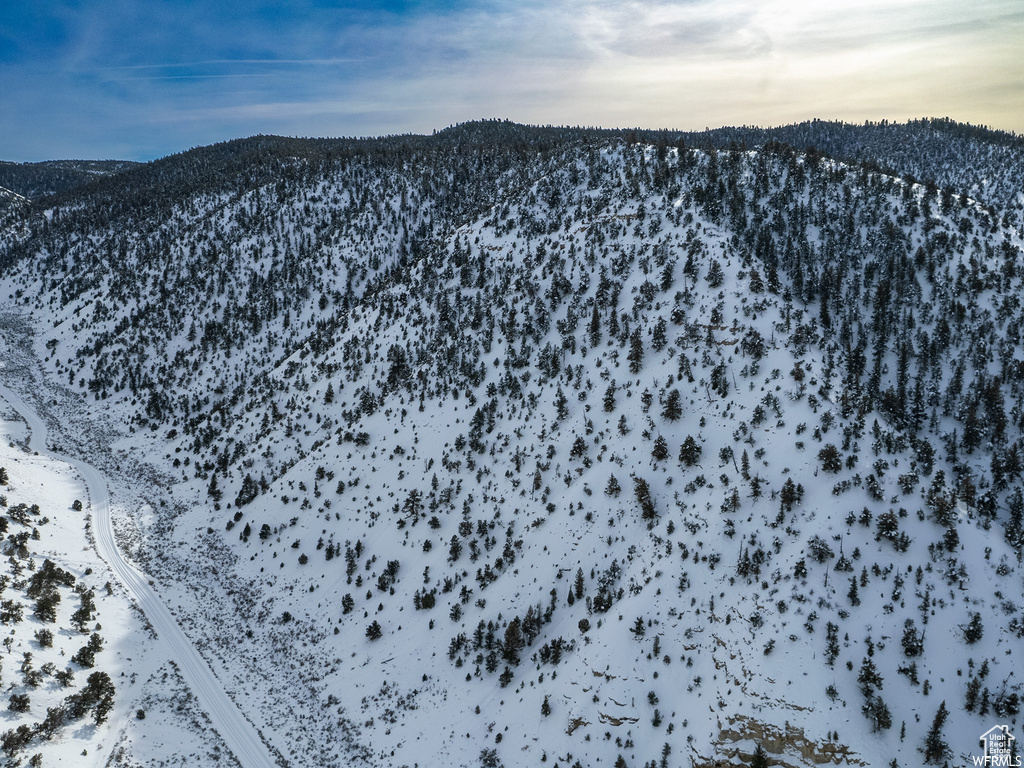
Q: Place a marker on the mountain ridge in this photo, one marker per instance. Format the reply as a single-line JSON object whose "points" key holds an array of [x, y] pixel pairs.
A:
{"points": [[789, 366]]}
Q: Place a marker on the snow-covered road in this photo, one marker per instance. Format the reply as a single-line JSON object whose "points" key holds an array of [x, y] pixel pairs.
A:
{"points": [[239, 734]]}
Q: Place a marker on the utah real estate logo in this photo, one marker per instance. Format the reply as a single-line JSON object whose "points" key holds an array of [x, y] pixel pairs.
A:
{"points": [[999, 748]]}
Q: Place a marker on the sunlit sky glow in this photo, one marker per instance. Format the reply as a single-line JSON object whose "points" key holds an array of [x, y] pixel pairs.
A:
{"points": [[137, 80]]}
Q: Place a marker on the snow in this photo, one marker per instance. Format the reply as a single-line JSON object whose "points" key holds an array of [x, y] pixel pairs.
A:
{"points": [[172, 643], [39, 479], [257, 625]]}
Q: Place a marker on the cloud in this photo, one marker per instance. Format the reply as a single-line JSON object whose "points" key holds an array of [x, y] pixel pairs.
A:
{"points": [[162, 76]]}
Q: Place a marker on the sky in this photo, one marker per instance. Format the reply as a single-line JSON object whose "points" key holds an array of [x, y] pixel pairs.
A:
{"points": [[141, 79]]}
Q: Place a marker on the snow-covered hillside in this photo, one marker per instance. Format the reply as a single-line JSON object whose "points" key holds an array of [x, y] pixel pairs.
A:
{"points": [[516, 445]]}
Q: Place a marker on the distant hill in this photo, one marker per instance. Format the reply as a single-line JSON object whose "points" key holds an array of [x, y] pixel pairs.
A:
{"points": [[33, 180]]}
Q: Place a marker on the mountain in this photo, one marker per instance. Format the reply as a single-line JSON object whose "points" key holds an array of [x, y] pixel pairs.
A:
{"points": [[9, 199], [715, 439], [51, 177], [985, 164]]}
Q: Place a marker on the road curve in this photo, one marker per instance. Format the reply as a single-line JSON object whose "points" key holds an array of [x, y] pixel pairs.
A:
{"points": [[238, 734]]}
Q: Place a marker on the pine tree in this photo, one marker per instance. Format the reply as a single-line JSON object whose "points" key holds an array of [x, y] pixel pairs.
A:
{"points": [[609, 399], [660, 450], [579, 448], [974, 630], [973, 688], [869, 678], [673, 406], [831, 643], [830, 458], [715, 276], [595, 327], [613, 488], [636, 352], [689, 452], [658, 339], [935, 747], [913, 643], [99, 693], [248, 492], [213, 491], [643, 497], [853, 594], [877, 712], [561, 404], [667, 275], [514, 641]]}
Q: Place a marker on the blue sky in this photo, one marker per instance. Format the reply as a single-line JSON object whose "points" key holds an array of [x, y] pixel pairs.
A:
{"points": [[139, 79]]}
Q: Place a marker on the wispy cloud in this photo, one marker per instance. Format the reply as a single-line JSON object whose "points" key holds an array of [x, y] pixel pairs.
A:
{"points": [[236, 62], [162, 76]]}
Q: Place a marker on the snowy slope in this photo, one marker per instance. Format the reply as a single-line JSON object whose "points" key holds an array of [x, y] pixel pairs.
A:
{"points": [[33, 479], [657, 453], [241, 739]]}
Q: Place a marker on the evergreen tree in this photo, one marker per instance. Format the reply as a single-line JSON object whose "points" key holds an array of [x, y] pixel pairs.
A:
{"points": [[935, 747], [660, 450], [609, 399], [579, 448], [869, 678], [249, 491], [658, 338], [715, 276], [830, 458], [595, 327], [974, 629], [877, 712], [643, 497], [667, 275], [973, 688], [673, 406], [213, 491], [636, 352], [913, 643], [514, 642], [561, 404], [689, 452], [99, 693], [613, 488], [831, 643]]}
